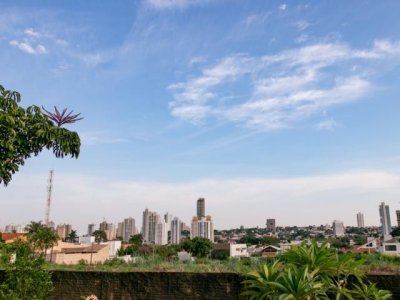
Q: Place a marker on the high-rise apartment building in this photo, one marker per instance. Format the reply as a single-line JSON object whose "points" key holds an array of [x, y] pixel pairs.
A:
{"points": [[398, 217], [271, 225], [120, 230], [175, 231], [90, 230], [384, 214], [201, 208], [63, 230], [203, 227], [150, 220], [128, 228], [360, 220], [338, 228], [168, 218], [161, 233]]}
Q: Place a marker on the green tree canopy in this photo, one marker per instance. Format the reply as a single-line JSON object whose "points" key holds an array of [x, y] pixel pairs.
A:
{"points": [[199, 247], [27, 131], [41, 237], [99, 236]]}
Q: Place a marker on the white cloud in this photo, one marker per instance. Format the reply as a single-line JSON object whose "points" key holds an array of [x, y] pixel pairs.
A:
{"points": [[91, 138], [285, 88], [28, 48], [292, 201], [168, 4], [327, 125], [283, 6], [302, 25], [31, 32]]}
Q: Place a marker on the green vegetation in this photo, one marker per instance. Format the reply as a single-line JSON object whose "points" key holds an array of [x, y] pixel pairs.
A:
{"points": [[26, 277], [27, 131], [99, 236], [41, 237], [311, 272]]}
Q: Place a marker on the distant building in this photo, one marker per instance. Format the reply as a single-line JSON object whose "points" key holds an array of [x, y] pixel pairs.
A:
{"points": [[150, 220], [11, 228], [90, 229], [128, 228], [201, 208], [360, 220], [398, 217], [161, 233], [203, 227], [120, 230], [63, 230], [111, 231], [338, 228], [168, 218], [271, 225], [175, 231], [384, 214]]}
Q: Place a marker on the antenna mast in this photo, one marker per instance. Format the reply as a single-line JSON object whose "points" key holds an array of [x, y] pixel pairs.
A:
{"points": [[49, 189]]}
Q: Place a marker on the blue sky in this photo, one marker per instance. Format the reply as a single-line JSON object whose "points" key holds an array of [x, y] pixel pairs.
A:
{"points": [[252, 104]]}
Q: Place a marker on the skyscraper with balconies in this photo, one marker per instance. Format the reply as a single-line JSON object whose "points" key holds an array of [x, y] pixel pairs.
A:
{"points": [[360, 220], [384, 213]]}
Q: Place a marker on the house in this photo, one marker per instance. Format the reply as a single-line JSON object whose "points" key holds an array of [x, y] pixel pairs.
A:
{"points": [[370, 247], [73, 254], [9, 237], [391, 247], [229, 250], [270, 251]]}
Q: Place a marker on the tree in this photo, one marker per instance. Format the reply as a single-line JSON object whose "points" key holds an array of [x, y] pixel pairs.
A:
{"points": [[41, 237], [198, 246], [25, 277], [72, 236], [99, 236], [27, 131], [396, 232], [136, 240]]}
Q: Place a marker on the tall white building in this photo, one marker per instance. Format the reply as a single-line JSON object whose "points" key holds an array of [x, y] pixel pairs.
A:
{"points": [[360, 220], [168, 218], [175, 231], [338, 228], [161, 233], [90, 229], [202, 227], [128, 228], [150, 220], [384, 213]]}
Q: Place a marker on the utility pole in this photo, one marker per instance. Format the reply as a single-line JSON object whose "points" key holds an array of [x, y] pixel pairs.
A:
{"points": [[49, 189]]}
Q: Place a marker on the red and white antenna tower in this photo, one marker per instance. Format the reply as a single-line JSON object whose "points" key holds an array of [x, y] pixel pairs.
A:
{"points": [[49, 189]]}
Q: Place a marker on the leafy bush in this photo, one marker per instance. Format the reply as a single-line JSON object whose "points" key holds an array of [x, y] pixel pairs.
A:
{"points": [[311, 272]]}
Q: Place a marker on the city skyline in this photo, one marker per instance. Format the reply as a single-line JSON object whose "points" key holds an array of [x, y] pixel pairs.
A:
{"points": [[280, 109]]}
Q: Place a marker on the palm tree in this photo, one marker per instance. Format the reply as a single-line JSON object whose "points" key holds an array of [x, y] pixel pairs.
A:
{"points": [[311, 272], [72, 236], [41, 237]]}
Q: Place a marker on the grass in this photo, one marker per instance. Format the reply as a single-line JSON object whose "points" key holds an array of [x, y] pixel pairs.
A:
{"points": [[372, 263], [159, 264]]}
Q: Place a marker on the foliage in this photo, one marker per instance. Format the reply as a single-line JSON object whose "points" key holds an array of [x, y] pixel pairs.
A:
{"points": [[198, 247], [396, 232], [311, 272], [27, 131], [72, 236], [26, 277], [136, 239], [41, 237], [99, 236]]}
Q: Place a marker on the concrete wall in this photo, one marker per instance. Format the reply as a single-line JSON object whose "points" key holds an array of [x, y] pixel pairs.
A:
{"points": [[146, 285], [70, 285]]}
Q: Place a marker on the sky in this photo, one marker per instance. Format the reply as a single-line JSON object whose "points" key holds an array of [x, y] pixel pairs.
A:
{"points": [[267, 109]]}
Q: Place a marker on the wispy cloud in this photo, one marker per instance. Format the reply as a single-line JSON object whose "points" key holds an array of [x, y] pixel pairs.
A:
{"points": [[28, 48], [285, 88], [169, 4], [91, 138], [283, 6], [327, 125]]}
